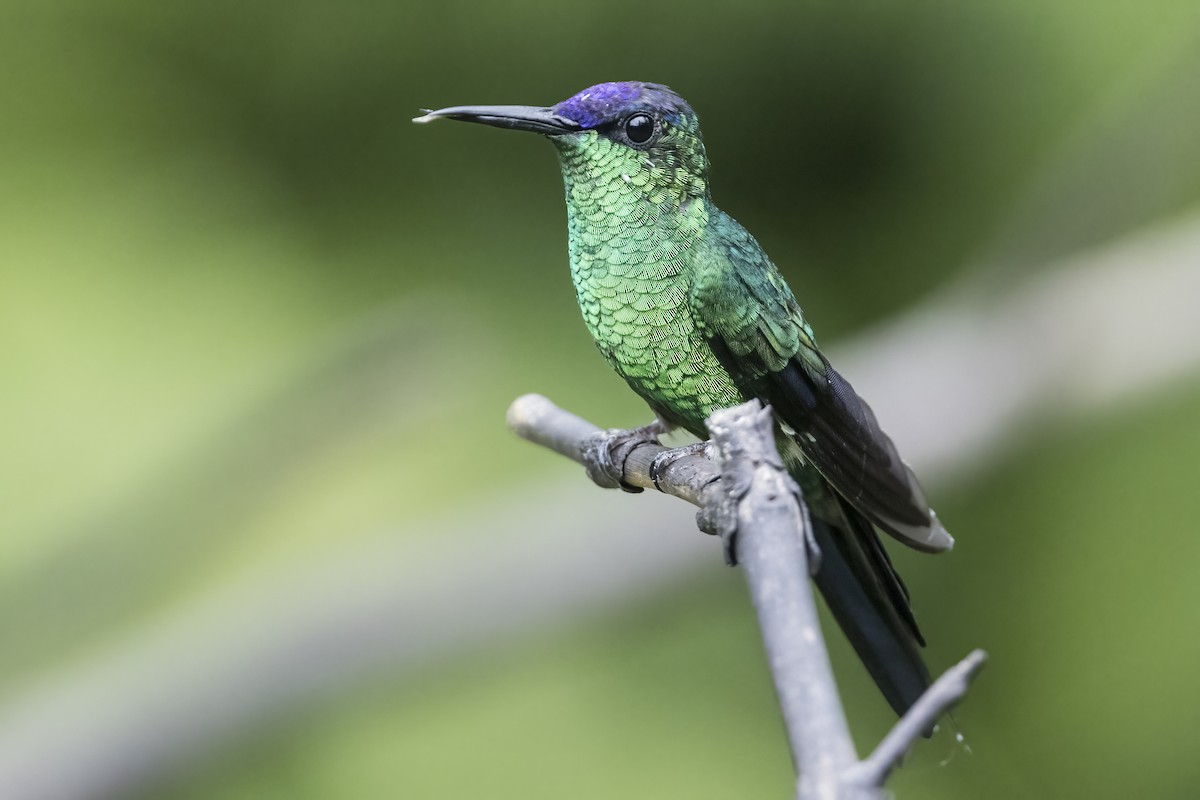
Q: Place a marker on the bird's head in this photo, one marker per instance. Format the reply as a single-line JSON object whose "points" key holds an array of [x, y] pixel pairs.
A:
{"points": [[640, 135]]}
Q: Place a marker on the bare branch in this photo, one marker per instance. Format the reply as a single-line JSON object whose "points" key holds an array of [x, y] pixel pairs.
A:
{"points": [[772, 533], [536, 419], [753, 502]]}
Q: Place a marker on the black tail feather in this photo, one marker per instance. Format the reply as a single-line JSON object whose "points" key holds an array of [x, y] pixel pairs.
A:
{"points": [[870, 603]]}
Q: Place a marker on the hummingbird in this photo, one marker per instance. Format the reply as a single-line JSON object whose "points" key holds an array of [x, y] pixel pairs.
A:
{"points": [[686, 306]]}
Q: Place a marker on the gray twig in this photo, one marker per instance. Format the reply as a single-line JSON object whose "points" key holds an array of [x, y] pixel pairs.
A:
{"points": [[939, 698], [771, 535], [752, 501], [692, 478]]}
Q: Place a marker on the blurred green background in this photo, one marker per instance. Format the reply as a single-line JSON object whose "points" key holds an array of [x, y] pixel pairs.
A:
{"points": [[258, 333]]}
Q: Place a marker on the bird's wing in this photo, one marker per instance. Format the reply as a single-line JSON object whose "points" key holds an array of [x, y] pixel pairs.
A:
{"points": [[755, 327]]}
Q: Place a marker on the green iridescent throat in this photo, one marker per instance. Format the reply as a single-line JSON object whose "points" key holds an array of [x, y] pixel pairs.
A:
{"points": [[636, 221]]}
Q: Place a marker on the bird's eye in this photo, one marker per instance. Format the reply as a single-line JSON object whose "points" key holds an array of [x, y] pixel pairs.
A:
{"points": [[639, 128]]}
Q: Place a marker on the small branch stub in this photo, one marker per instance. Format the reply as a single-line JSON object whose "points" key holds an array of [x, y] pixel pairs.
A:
{"points": [[945, 693]]}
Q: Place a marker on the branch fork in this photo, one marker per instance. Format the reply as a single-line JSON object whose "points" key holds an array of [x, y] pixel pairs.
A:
{"points": [[757, 509]]}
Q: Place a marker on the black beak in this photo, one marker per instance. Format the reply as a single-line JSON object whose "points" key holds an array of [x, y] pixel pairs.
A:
{"points": [[520, 118]]}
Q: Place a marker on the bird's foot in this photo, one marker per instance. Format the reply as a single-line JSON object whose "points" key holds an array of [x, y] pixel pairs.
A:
{"points": [[668, 457], [729, 542], [604, 454], [719, 516]]}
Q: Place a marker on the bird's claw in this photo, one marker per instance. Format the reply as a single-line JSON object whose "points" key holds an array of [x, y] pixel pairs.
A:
{"points": [[729, 545], [668, 457], [604, 454], [720, 518]]}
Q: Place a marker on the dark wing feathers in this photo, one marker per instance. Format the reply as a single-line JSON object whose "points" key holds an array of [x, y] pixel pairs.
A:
{"points": [[757, 331], [839, 434]]}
